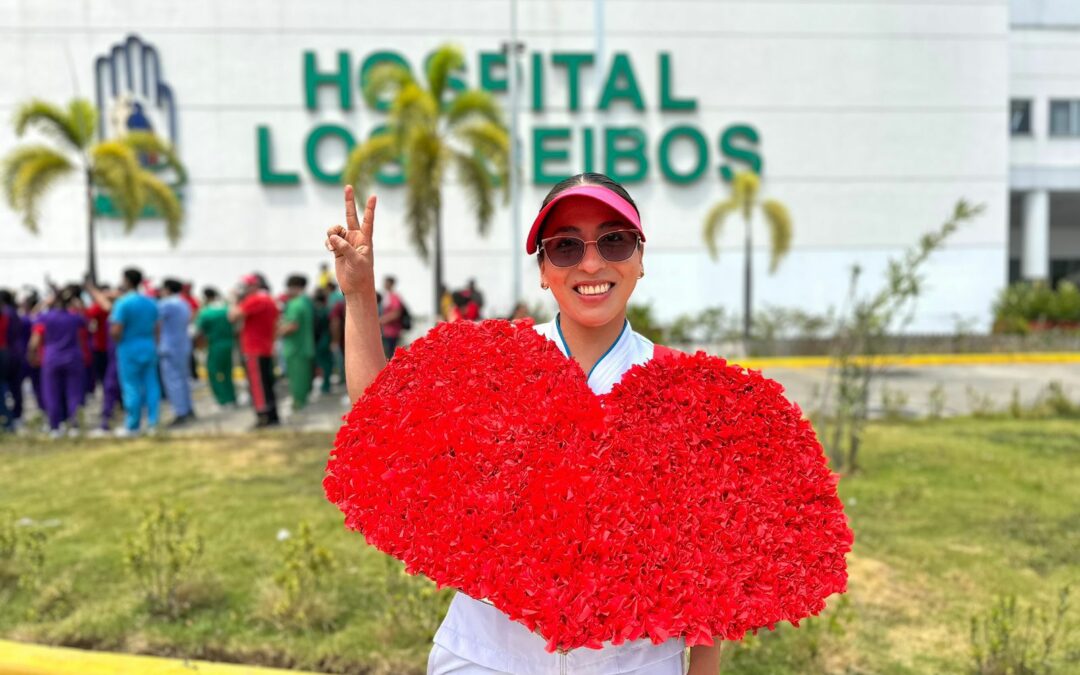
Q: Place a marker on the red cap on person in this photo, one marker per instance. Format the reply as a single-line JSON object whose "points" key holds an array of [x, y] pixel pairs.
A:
{"points": [[591, 192]]}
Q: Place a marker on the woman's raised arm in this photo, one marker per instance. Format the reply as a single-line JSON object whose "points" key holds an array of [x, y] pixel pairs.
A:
{"points": [[354, 264]]}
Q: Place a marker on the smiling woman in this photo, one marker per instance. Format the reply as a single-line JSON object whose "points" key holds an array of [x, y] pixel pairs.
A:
{"points": [[589, 244]]}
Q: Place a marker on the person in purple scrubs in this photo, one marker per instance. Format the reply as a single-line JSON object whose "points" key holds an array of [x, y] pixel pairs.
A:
{"points": [[9, 320], [58, 336]]}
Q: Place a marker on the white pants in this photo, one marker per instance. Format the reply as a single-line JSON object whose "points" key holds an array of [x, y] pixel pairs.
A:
{"points": [[444, 662]]}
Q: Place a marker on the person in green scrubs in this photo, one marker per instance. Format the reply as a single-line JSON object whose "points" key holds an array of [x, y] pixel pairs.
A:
{"points": [[298, 340], [213, 325]]}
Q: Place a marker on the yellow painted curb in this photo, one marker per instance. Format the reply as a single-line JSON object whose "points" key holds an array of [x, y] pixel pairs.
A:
{"points": [[17, 658], [913, 360]]}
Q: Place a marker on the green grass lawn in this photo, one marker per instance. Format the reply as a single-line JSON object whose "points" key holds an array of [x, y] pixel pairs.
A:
{"points": [[947, 515]]}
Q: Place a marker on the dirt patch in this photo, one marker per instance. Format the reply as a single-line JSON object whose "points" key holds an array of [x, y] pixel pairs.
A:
{"points": [[907, 609]]}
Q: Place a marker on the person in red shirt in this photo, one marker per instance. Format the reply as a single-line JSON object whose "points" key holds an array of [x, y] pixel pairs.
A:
{"points": [[258, 313], [97, 317], [193, 303]]}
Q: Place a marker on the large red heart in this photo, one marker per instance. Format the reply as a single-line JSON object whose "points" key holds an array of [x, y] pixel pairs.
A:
{"points": [[693, 499]]}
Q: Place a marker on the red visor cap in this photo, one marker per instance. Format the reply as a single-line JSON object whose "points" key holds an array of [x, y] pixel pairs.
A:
{"points": [[594, 192]]}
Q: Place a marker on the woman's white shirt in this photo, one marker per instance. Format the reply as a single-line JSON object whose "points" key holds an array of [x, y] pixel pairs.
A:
{"points": [[480, 633]]}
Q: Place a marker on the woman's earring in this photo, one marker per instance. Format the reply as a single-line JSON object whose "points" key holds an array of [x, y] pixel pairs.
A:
{"points": [[543, 285], [642, 275]]}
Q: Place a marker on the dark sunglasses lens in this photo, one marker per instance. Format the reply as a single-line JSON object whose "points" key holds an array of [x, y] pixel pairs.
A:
{"points": [[617, 246], [564, 251]]}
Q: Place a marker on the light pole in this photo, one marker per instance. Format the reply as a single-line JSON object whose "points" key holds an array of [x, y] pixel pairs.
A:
{"points": [[512, 49]]}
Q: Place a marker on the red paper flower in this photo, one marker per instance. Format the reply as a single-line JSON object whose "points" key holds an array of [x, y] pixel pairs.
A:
{"points": [[693, 499]]}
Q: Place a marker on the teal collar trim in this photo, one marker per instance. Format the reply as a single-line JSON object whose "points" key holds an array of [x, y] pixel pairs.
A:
{"points": [[566, 347], [558, 327], [599, 360]]}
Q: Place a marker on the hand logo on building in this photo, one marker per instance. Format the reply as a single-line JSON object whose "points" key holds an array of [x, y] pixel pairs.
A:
{"points": [[133, 95]]}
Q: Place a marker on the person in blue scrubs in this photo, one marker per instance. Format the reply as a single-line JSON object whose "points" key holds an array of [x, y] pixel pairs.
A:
{"points": [[174, 350], [134, 327]]}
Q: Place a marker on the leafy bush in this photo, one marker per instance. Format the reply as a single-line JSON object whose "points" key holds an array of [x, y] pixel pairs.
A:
{"points": [[1025, 303], [22, 553], [294, 600], [1009, 640], [936, 402], [642, 321], [708, 326], [162, 555], [413, 607]]}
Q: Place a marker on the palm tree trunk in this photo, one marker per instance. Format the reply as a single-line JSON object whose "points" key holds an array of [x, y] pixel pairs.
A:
{"points": [[747, 289], [91, 247], [437, 252]]}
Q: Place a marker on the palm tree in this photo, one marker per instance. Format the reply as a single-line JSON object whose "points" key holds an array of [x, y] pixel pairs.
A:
{"points": [[430, 135], [744, 198], [110, 166]]}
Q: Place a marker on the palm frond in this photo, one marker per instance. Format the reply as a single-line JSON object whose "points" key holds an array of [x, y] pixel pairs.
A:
{"points": [[147, 142], [27, 173], [745, 188], [475, 180], [84, 119], [113, 180], [445, 60], [385, 81], [423, 178], [115, 167], [366, 159], [780, 231], [413, 109], [52, 121], [472, 104], [161, 197], [492, 143], [714, 224]]}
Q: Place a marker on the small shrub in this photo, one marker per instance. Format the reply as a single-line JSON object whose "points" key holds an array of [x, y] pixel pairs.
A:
{"points": [[162, 555], [53, 601], [893, 403], [1010, 640], [1016, 406], [293, 600], [979, 403], [936, 403], [22, 553], [642, 321], [1057, 402], [413, 608]]}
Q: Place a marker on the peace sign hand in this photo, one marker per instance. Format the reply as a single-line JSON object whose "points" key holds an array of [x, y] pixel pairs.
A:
{"points": [[354, 259]]}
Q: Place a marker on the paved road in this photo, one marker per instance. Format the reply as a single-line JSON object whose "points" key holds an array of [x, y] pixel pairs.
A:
{"points": [[965, 388]]}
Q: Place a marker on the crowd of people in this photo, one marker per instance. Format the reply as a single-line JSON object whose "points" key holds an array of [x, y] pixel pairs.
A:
{"points": [[137, 344]]}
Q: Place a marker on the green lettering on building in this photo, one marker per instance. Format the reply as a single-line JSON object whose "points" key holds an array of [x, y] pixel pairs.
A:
{"points": [[374, 59], [313, 79], [701, 149], [267, 173], [542, 154], [312, 150], [667, 99], [621, 83], [739, 154], [573, 62], [624, 145]]}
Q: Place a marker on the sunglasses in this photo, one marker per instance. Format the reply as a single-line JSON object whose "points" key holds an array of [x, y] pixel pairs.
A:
{"points": [[567, 251]]}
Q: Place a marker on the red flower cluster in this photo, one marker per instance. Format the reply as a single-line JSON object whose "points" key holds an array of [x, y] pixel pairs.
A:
{"points": [[693, 499]]}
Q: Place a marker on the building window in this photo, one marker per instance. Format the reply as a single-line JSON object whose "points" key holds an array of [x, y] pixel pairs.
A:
{"points": [[1065, 118], [1020, 117]]}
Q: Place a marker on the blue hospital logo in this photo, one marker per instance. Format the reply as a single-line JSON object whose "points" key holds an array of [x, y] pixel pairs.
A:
{"points": [[132, 95]]}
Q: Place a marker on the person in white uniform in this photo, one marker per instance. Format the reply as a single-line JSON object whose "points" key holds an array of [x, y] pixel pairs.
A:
{"points": [[589, 246]]}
